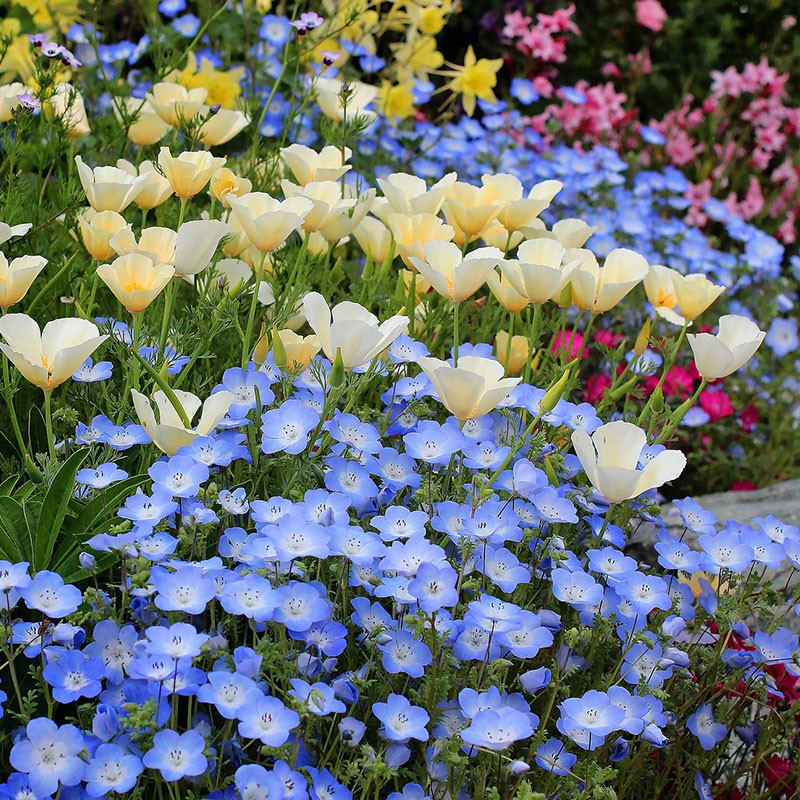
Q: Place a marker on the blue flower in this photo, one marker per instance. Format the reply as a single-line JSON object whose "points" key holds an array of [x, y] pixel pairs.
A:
{"points": [[576, 588], [434, 587], [72, 674], [522, 89], [170, 8], [48, 593], [179, 640], [254, 782], [268, 720], [401, 720], [782, 336], [286, 429], [318, 698], [176, 755], [496, 729], [433, 443], [178, 476], [275, 30], [695, 517], [587, 720], [325, 787], [49, 756], [101, 476], [112, 769], [229, 692], [147, 511], [187, 25], [89, 372], [404, 653], [185, 589], [702, 725]]}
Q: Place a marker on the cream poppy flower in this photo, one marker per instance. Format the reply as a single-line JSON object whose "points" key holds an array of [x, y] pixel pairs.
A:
{"points": [[451, 275], [48, 357], [412, 233], [222, 126], [329, 99], [470, 210], [190, 171], [351, 329], [66, 102], [13, 231], [374, 238], [598, 289], [147, 127], [9, 99], [537, 273], [326, 199], [135, 280], [16, 278], [472, 388], [610, 458], [154, 189], [266, 222], [108, 188], [174, 102], [718, 356], [169, 433], [97, 229], [308, 165], [517, 210], [225, 182], [409, 194]]}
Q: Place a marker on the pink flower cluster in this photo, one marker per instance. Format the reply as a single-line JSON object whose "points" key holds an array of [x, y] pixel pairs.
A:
{"points": [[740, 138], [543, 39]]}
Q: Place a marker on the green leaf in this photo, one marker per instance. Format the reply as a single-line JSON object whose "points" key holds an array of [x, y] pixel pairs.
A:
{"points": [[54, 508], [16, 542], [94, 513]]}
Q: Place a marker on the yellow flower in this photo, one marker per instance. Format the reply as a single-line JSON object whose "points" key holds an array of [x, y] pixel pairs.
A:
{"points": [[49, 14], [396, 102], [475, 80], [429, 18], [223, 87], [18, 58], [418, 56]]}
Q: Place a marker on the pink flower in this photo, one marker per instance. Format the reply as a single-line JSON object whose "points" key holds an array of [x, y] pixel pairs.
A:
{"points": [[650, 14]]}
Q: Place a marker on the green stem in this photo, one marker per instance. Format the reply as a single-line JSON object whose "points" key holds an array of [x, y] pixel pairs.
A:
{"points": [[511, 317], [456, 336], [132, 376], [251, 317], [169, 302], [166, 388], [667, 367], [48, 421], [533, 340], [8, 396], [45, 290]]}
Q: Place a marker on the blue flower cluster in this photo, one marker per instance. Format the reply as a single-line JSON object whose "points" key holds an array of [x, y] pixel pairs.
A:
{"points": [[377, 600]]}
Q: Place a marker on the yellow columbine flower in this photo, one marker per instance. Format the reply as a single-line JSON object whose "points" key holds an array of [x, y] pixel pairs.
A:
{"points": [[476, 79], [223, 87], [18, 58], [429, 18], [49, 14], [396, 102], [418, 56]]}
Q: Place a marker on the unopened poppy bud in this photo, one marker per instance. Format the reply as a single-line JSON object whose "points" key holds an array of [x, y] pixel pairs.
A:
{"points": [[565, 300], [336, 375], [621, 391], [642, 339], [657, 403], [550, 471], [553, 394], [261, 350], [279, 351]]}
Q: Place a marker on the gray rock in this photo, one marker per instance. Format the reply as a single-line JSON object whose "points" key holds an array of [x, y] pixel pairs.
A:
{"points": [[782, 500]]}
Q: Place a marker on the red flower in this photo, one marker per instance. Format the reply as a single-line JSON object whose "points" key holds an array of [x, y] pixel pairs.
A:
{"points": [[743, 486], [716, 404], [749, 417], [596, 386], [608, 338], [776, 771], [566, 340]]}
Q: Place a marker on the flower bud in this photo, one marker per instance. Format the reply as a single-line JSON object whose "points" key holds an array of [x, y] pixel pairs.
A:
{"points": [[553, 394], [336, 375], [279, 351], [642, 339]]}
